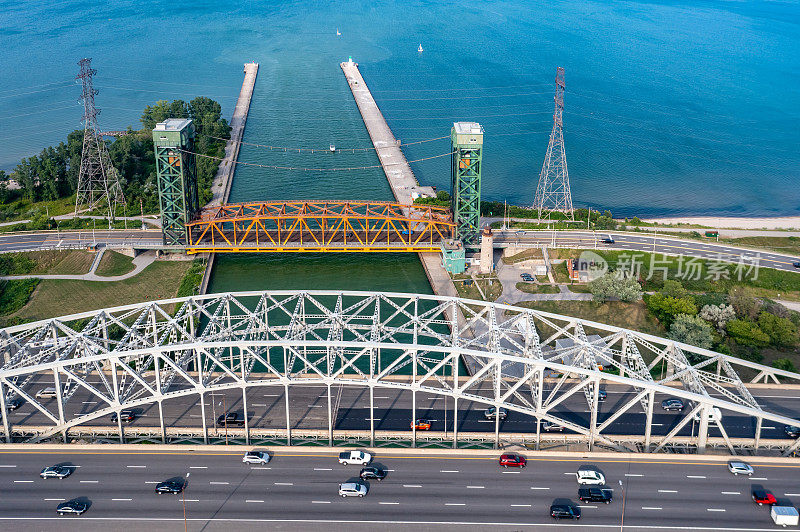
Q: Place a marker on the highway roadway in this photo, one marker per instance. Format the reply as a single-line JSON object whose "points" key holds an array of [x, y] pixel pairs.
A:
{"points": [[31, 241], [648, 243], [350, 407], [298, 490]]}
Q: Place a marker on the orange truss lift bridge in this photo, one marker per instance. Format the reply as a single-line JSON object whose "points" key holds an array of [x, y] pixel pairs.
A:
{"points": [[319, 226]]}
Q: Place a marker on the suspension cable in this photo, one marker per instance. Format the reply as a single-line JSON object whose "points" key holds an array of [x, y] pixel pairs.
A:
{"points": [[272, 167], [313, 150]]}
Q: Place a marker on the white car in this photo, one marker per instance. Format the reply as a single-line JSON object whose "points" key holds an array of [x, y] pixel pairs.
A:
{"points": [[590, 476], [352, 489], [255, 457], [740, 468], [354, 458], [714, 416]]}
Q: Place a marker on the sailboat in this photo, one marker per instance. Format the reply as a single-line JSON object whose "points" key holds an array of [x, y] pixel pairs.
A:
{"points": [[420, 48], [338, 33]]}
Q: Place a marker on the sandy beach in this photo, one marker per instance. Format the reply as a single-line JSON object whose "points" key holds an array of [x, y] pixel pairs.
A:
{"points": [[722, 222]]}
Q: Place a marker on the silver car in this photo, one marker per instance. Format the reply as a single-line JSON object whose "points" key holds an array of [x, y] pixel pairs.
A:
{"points": [[352, 489], [255, 457], [56, 472], [740, 468], [489, 413]]}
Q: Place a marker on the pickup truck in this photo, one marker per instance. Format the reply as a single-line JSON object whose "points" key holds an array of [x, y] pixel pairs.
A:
{"points": [[595, 495], [354, 458], [231, 419]]}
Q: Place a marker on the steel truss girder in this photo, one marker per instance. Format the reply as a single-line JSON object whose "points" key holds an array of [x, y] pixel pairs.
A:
{"points": [[152, 352]]}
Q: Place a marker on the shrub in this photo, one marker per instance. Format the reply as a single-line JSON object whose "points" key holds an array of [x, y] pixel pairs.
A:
{"points": [[612, 286], [691, 330], [785, 364], [746, 332], [781, 332], [718, 315]]}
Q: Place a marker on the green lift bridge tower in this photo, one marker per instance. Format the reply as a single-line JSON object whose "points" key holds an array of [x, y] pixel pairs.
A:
{"points": [[177, 178], [467, 140]]}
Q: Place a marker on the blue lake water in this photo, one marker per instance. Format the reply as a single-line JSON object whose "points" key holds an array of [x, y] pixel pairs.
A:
{"points": [[671, 107]]}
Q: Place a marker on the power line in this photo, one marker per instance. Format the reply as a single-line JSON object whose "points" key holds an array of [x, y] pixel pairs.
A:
{"points": [[312, 150], [271, 167]]}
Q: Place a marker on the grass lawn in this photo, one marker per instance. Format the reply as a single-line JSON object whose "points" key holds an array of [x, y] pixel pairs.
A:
{"points": [[779, 244], [528, 254], [531, 288], [22, 209], [113, 264], [55, 297], [628, 315], [491, 288], [41, 262], [580, 288]]}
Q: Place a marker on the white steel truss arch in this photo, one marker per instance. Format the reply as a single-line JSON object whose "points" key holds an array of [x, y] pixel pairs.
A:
{"points": [[519, 359]]}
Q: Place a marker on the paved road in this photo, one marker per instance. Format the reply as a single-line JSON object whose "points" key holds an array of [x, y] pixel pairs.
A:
{"points": [[67, 239], [648, 243], [350, 405], [298, 491]]}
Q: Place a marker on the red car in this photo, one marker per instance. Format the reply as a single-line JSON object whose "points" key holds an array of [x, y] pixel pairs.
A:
{"points": [[763, 497], [513, 460], [422, 424]]}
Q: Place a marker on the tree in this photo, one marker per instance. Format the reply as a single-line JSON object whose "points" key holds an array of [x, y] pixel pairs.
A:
{"points": [[745, 305], [665, 308], [673, 288], [691, 330], [785, 364], [781, 331], [718, 315], [162, 110], [746, 332], [611, 286]]}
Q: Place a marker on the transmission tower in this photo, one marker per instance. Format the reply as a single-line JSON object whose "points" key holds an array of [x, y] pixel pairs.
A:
{"points": [[552, 192], [98, 181]]}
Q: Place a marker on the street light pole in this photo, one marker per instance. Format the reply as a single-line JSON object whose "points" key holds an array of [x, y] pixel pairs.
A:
{"points": [[622, 519], [183, 492]]}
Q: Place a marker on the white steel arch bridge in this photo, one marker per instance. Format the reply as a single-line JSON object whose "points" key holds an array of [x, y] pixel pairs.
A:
{"points": [[529, 362]]}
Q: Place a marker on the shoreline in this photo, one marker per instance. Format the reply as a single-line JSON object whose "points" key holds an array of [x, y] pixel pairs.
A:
{"points": [[731, 222]]}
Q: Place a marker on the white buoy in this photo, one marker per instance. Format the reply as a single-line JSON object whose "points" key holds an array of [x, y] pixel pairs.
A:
{"points": [[420, 48], [338, 33]]}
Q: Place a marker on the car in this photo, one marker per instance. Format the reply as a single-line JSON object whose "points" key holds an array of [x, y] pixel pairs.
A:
{"points": [[372, 473], [796, 264], [47, 393], [715, 415], [590, 476], [354, 458], [513, 460], [602, 395], [526, 277], [72, 507], [352, 489], [127, 416], [230, 419], [740, 468], [595, 495], [608, 240], [422, 424], [56, 471], [255, 457], [13, 404], [489, 413], [762, 497], [672, 404], [170, 486], [549, 426], [792, 431], [565, 511]]}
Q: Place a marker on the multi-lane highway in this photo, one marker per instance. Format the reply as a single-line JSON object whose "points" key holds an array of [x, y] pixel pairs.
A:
{"points": [[648, 243], [31, 241], [298, 490]]}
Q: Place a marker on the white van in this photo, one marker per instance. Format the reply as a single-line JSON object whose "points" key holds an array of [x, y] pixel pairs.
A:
{"points": [[715, 415], [784, 515], [47, 393]]}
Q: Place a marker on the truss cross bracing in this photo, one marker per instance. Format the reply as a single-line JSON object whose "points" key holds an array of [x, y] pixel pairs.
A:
{"points": [[529, 362]]}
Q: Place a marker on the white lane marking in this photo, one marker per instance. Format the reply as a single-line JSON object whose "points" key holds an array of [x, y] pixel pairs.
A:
{"points": [[668, 491], [89, 481], [320, 502], [316, 406], [388, 502], [121, 499], [136, 466], [412, 485], [382, 397], [521, 505], [220, 483], [475, 487], [23, 481], [511, 472], [538, 488], [253, 500], [271, 395], [715, 509], [791, 494], [55, 499], [759, 478], [586, 506], [198, 467], [260, 468], [259, 404], [695, 476], [569, 473], [190, 500], [449, 471], [283, 483], [633, 475], [651, 507], [455, 504], [88, 402], [731, 492], [323, 469], [151, 482], [8, 466]]}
